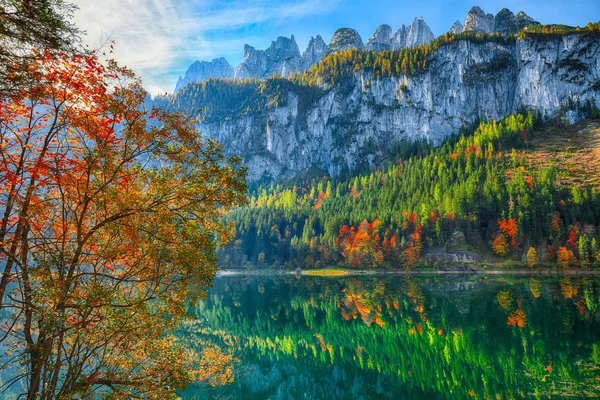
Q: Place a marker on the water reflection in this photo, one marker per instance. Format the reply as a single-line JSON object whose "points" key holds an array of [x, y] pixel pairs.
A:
{"points": [[404, 337]]}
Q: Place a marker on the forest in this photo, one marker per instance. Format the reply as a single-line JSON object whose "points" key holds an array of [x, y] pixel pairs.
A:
{"points": [[481, 185]]}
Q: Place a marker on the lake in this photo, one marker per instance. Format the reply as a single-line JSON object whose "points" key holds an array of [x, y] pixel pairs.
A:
{"points": [[403, 336]]}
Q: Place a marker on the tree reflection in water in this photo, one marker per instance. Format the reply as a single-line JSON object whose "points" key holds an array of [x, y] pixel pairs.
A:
{"points": [[403, 337]]}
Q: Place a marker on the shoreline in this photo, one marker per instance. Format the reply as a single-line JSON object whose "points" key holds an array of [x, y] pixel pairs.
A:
{"points": [[337, 273]]}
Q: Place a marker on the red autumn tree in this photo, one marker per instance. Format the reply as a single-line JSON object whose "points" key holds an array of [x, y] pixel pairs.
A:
{"points": [[110, 216], [551, 250], [572, 240], [508, 227]]}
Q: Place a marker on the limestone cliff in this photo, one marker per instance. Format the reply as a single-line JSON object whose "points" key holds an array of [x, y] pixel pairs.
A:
{"points": [[203, 70], [354, 124], [280, 58]]}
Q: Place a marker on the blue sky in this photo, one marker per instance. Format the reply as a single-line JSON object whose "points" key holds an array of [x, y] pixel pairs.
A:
{"points": [[159, 39]]}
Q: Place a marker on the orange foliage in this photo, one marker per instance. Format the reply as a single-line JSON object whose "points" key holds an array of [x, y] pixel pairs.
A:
{"points": [[517, 317], [564, 257], [567, 288], [413, 251], [361, 247], [319, 201], [530, 182], [122, 204]]}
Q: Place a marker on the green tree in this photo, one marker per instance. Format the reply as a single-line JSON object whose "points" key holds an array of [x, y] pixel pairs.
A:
{"points": [[585, 248]]}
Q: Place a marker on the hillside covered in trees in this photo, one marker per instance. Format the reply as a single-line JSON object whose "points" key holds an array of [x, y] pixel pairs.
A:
{"points": [[484, 185], [495, 190]]}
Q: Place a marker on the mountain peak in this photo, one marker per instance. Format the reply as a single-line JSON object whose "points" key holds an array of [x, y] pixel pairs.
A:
{"points": [[456, 28], [419, 33], [478, 21], [201, 71], [381, 39], [505, 22], [283, 47], [345, 39], [314, 52], [524, 20]]}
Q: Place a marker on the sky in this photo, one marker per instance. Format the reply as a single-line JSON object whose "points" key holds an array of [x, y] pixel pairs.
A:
{"points": [[159, 39]]}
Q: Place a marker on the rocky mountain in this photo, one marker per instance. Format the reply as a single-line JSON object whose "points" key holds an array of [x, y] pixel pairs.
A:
{"points": [[523, 20], [505, 22], [478, 21], [416, 34], [314, 52], [353, 123], [399, 38], [456, 28], [203, 70], [345, 39], [381, 39], [281, 58]]}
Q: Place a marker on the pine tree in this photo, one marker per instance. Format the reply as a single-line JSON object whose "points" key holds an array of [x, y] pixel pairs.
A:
{"points": [[585, 250]]}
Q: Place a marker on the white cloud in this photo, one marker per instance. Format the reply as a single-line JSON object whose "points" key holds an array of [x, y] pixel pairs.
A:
{"points": [[154, 37]]}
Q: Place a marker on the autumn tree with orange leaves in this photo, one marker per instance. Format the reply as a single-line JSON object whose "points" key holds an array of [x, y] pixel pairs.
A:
{"points": [[361, 246], [509, 228], [110, 215]]}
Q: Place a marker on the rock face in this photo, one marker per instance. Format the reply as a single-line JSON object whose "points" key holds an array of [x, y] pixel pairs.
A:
{"points": [[419, 33], [416, 34], [281, 58], [523, 20], [353, 125], [399, 38], [505, 22], [381, 39], [314, 52], [478, 21], [203, 70], [456, 28], [345, 39]]}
